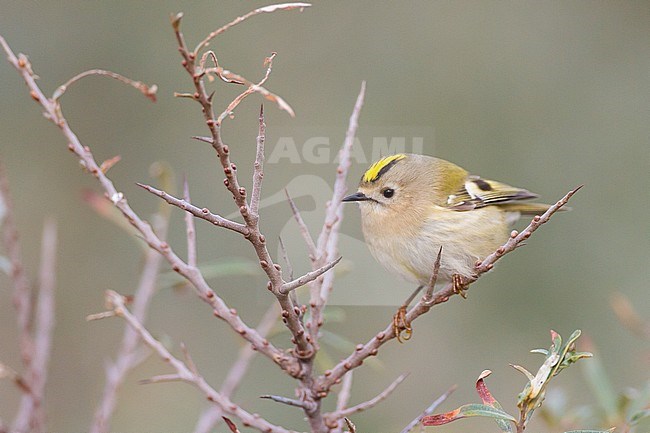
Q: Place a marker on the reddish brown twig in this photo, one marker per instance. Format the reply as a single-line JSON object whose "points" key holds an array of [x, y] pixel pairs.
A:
{"points": [[258, 165], [202, 213], [148, 91], [308, 277], [252, 88], [191, 273], [303, 345], [266, 9]]}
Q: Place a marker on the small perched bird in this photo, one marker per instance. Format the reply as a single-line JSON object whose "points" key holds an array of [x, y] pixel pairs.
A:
{"points": [[411, 205]]}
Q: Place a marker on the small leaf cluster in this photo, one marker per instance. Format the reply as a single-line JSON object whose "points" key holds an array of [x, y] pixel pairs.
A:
{"points": [[558, 357]]}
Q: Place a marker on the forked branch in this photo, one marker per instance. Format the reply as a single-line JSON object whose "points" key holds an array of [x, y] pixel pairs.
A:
{"points": [[303, 346], [86, 158]]}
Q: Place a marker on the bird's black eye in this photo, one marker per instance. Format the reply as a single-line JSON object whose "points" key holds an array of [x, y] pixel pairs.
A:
{"points": [[387, 192]]}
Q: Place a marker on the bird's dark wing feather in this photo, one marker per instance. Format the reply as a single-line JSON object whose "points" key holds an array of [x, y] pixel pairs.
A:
{"points": [[477, 192]]}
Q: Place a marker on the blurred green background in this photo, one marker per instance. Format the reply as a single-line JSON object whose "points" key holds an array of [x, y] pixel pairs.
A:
{"points": [[543, 95]]}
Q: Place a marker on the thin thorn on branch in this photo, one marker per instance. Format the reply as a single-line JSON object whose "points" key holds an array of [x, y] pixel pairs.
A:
{"points": [[428, 294], [190, 229], [203, 214], [208, 140], [304, 231], [285, 257], [161, 379], [290, 402], [308, 277]]}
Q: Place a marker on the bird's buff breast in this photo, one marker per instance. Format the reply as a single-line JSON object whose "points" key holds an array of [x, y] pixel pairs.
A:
{"points": [[410, 248]]}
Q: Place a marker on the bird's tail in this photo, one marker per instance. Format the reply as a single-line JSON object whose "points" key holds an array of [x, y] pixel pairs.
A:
{"points": [[528, 208]]}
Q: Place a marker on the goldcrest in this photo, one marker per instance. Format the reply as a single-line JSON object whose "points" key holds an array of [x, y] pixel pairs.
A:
{"points": [[411, 205]]}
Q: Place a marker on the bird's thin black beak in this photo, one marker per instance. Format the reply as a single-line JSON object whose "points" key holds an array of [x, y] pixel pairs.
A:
{"points": [[357, 196]]}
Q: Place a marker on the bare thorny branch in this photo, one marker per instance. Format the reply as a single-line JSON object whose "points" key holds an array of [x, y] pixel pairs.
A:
{"points": [[248, 212], [297, 361], [52, 111]]}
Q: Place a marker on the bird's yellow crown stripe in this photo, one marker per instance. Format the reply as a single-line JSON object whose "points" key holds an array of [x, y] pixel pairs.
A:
{"points": [[380, 167]]}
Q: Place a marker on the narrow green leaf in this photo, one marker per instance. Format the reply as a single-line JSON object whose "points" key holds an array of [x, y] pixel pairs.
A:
{"points": [[572, 358], [569, 354], [566, 350], [572, 339], [542, 351], [523, 371]]}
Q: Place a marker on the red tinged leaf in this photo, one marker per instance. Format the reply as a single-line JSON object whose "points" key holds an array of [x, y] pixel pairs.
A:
{"points": [[441, 419], [483, 391], [488, 399], [468, 410]]}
